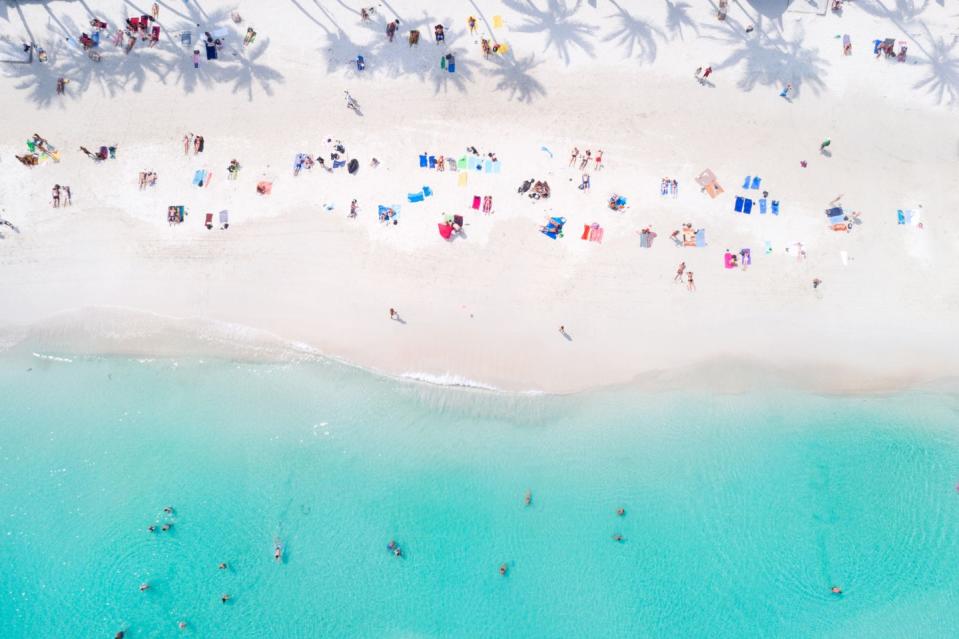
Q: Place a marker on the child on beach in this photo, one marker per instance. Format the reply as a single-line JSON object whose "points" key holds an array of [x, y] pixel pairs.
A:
{"points": [[66, 195], [196, 58]]}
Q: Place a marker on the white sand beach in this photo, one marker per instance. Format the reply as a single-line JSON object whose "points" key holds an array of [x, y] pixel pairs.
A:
{"points": [[294, 274]]}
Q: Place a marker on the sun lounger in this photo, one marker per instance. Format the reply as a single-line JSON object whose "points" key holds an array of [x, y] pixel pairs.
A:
{"points": [[775, 207], [427, 191], [740, 203], [705, 178], [415, 197], [746, 181], [747, 206], [198, 177], [756, 182], [701, 238], [209, 221], [423, 161], [714, 189], [476, 202], [225, 219], [432, 161], [461, 181], [762, 206]]}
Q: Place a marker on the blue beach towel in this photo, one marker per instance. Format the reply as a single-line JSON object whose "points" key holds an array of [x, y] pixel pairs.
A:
{"points": [[746, 181], [756, 181], [360, 63], [423, 161], [415, 197], [198, 177], [701, 238], [451, 67], [339, 163], [739, 204], [497, 166], [747, 206], [432, 161], [775, 208], [901, 216], [427, 191], [762, 206], [489, 166]]}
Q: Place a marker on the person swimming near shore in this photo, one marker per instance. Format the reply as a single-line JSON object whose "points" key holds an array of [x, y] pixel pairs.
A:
{"points": [[151, 528], [618, 538], [836, 590], [222, 565], [394, 548], [166, 527], [144, 587], [120, 635], [503, 569], [529, 497], [168, 510], [620, 511], [224, 598]]}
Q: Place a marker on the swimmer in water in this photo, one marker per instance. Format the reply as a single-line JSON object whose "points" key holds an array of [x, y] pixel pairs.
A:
{"points": [[618, 538], [144, 587], [166, 527], [503, 568], [168, 510], [152, 528], [836, 590], [620, 511], [277, 552], [391, 545], [119, 635], [181, 625], [222, 565], [529, 496], [224, 598]]}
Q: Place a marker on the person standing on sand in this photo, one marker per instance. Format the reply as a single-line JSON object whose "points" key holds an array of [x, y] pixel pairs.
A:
{"points": [[66, 195], [599, 159], [562, 331], [56, 196], [394, 315], [707, 73], [196, 58], [155, 11], [391, 29], [573, 156], [679, 272], [353, 207], [690, 284], [815, 283], [187, 143], [825, 143]]}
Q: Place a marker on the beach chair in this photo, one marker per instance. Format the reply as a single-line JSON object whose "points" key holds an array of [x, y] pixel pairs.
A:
{"points": [[701, 238], [755, 184], [746, 181], [427, 191], [224, 219], [423, 161], [775, 207], [747, 206], [740, 203], [762, 206], [432, 161], [209, 221], [415, 197]]}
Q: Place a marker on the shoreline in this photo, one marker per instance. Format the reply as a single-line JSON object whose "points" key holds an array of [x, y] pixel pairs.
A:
{"points": [[130, 334]]}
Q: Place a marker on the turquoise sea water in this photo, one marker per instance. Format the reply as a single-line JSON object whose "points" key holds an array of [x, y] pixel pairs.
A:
{"points": [[741, 511]]}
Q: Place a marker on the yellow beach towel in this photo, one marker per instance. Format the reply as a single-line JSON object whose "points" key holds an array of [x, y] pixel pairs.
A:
{"points": [[462, 179], [503, 48], [497, 22]]}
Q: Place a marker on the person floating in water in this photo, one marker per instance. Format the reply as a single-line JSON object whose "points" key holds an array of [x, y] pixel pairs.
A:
{"points": [[394, 548], [144, 587], [836, 590], [166, 527], [620, 511], [168, 510], [151, 528], [529, 497], [224, 598], [503, 569], [222, 565], [618, 538]]}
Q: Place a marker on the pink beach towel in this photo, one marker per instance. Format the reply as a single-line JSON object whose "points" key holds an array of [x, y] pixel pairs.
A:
{"points": [[476, 202]]}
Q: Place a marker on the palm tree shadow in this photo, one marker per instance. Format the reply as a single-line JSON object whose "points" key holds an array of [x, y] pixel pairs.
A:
{"points": [[247, 71], [769, 59], [514, 76], [635, 35], [677, 17], [942, 65], [901, 11], [562, 32]]}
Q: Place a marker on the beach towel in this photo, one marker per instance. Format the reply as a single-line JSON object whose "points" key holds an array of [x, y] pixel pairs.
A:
{"points": [[210, 52], [461, 163], [740, 203], [596, 235], [586, 229], [701, 238], [209, 221], [646, 240], [443, 62], [476, 202], [427, 191], [747, 256], [446, 230], [423, 161], [747, 206], [503, 49], [415, 197], [207, 178], [381, 212], [762, 206], [756, 181], [488, 204], [198, 177], [451, 67], [746, 181], [901, 216], [432, 161], [489, 166], [714, 189], [664, 187], [705, 178], [775, 207], [462, 179], [497, 166], [844, 258], [225, 218], [728, 260], [451, 163], [339, 164], [360, 63], [264, 188], [181, 212], [497, 22]]}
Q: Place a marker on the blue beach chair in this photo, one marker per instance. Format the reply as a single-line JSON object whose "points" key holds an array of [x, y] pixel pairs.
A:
{"points": [[740, 203], [756, 182], [415, 197], [423, 161], [762, 206], [775, 208], [432, 161], [427, 191], [747, 206], [746, 181]]}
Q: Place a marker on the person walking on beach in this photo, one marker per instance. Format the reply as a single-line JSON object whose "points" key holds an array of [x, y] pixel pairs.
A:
{"points": [[56, 196], [66, 195], [391, 29], [353, 208], [573, 156], [786, 91], [196, 58], [679, 272], [187, 143], [690, 284], [816, 283], [155, 11], [707, 73], [599, 159], [394, 315], [825, 143], [562, 331]]}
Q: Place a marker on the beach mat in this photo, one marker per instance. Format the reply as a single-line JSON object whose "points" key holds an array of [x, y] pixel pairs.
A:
{"points": [[461, 163], [427, 191], [462, 179], [747, 206], [775, 207], [198, 177], [422, 161], [713, 189], [476, 202], [762, 206], [415, 197], [756, 182], [497, 22], [701, 238]]}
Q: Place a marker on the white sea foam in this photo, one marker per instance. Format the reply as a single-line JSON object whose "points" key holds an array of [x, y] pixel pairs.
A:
{"points": [[53, 358], [447, 379]]}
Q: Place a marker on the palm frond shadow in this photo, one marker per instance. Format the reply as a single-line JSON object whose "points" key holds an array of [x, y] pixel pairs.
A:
{"points": [[635, 36], [563, 33], [514, 77], [677, 17], [941, 63]]}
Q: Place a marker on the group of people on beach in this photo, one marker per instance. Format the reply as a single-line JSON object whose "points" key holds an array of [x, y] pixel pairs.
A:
{"points": [[59, 193], [195, 142]]}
